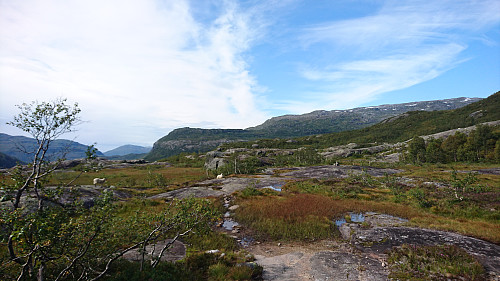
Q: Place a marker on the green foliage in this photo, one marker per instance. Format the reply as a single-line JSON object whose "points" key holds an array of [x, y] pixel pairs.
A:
{"points": [[478, 146], [363, 178], [418, 195], [199, 266], [309, 186], [301, 157], [155, 180], [47, 120], [183, 159], [241, 164], [462, 186], [251, 191], [440, 262]]}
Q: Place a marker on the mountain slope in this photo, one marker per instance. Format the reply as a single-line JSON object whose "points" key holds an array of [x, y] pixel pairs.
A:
{"points": [[322, 122], [7, 161], [127, 149], [288, 126], [399, 128], [11, 145]]}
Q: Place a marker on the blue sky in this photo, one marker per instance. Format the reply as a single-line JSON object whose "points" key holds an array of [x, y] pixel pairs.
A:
{"points": [[139, 69]]}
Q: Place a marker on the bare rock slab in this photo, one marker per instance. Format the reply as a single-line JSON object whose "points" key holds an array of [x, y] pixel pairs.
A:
{"points": [[329, 265], [176, 252], [330, 171]]}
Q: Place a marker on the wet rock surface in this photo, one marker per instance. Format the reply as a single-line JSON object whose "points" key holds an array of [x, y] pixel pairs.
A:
{"points": [[330, 171], [182, 193], [329, 265], [220, 187], [381, 239], [323, 260], [491, 171]]}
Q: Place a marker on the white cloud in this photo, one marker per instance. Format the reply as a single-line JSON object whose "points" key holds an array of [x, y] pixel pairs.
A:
{"points": [[137, 68], [405, 43]]}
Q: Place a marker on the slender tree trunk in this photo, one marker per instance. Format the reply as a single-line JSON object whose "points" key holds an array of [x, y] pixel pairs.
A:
{"points": [[39, 276]]}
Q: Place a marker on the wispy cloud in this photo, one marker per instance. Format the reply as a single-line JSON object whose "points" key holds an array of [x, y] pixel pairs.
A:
{"points": [[403, 44], [130, 64]]}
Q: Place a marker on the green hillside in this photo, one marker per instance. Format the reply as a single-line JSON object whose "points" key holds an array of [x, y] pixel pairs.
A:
{"points": [[399, 128]]}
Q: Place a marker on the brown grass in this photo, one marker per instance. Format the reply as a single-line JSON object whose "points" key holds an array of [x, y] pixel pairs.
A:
{"points": [[298, 216]]}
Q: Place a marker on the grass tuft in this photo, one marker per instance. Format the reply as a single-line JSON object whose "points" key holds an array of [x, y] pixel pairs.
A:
{"points": [[441, 262]]}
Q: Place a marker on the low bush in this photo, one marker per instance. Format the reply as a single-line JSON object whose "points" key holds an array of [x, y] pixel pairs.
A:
{"points": [[441, 262]]}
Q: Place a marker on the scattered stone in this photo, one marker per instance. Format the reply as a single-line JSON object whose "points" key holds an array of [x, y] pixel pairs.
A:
{"points": [[212, 251], [234, 207]]}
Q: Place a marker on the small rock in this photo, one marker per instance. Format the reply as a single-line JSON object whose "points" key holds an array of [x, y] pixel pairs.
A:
{"points": [[234, 207]]}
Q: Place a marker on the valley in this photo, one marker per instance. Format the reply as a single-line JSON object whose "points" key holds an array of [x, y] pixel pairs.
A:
{"points": [[415, 196]]}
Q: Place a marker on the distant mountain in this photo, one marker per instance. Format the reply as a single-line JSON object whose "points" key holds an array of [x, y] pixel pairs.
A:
{"points": [[127, 149], [323, 122], [8, 162], [11, 146], [131, 156], [290, 126], [397, 128]]}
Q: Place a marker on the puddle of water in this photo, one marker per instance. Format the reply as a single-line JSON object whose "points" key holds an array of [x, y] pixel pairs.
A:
{"points": [[355, 217], [246, 241], [229, 224], [340, 222], [276, 187]]}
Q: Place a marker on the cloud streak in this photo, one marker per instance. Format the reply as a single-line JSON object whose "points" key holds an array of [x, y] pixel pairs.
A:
{"points": [[405, 43], [130, 64]]}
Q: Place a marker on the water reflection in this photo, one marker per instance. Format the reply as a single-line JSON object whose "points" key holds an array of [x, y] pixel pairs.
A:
{"points": [[276, 187], [354, 217], [229, 224]]}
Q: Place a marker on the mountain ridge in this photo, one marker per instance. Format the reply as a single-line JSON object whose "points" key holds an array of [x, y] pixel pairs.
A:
{"points": [[127, 149], [9, 146], [289, 126]]}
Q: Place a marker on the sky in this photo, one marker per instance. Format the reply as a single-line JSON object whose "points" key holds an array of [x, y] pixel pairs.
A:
{"points": [[140, 68]]}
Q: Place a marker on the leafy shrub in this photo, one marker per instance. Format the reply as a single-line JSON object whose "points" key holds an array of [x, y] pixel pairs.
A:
{"points": [[251, 191], [155, 180], [418, 195], [441, 262]]}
